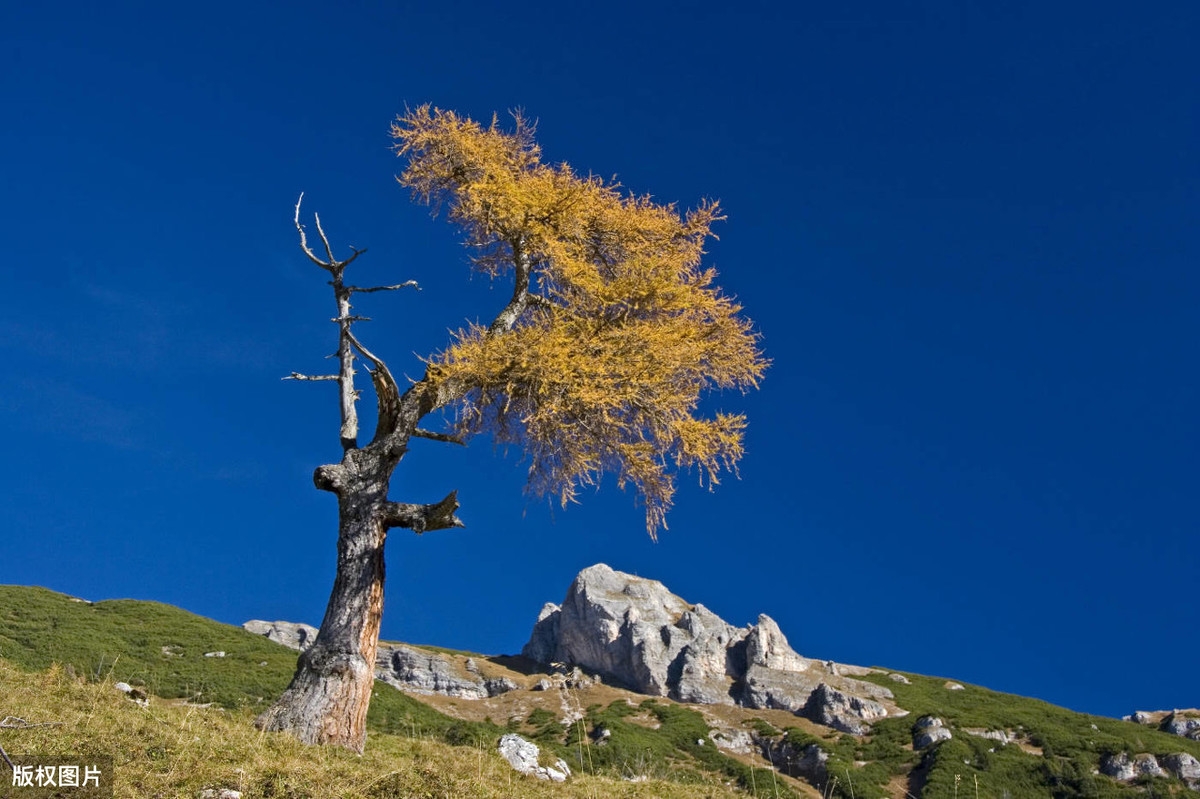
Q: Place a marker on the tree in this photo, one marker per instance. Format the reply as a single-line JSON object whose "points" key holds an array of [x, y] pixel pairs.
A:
{"points": [[596, 365]]}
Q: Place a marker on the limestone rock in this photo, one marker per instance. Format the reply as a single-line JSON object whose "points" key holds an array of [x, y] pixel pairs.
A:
{"points": [[1125, 768], [1179, 724], [766, 646], [544, 639], [522, 755], [928, 731], [807, 762], [1118, 766], [953, 686], [737, 741], [765, 689], [637, 634], [1183, 766], [900, 678], [290, 634], [841, 711], [430, 673]]}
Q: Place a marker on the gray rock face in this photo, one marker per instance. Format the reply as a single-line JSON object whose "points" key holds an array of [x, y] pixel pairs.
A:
{"points": [[1183, 766], [522, 755], [841, 711], [290, 634], [636, 633], [402, 667], [429, 673], [1124, 768], [807, 763], [1178, 724], [1118, 766]]}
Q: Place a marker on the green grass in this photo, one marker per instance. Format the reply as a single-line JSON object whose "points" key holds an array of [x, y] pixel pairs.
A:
{"points": [[162, 648]]}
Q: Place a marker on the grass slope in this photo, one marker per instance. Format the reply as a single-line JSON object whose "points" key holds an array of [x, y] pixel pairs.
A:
{"points": [[80, 649]]}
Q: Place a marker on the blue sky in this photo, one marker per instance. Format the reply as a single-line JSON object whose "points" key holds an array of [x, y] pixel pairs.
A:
{"points": [[968, 237]]}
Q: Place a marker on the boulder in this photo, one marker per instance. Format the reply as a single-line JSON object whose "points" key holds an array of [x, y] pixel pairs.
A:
{"points": [[737, 741], [929, 730], [1125, 768], [1183, 766], [290, 634], [523, 755]]}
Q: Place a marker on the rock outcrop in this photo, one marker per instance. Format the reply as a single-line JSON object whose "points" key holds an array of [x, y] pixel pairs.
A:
{"points": [[403, 667], [288, 633], [425, 672], [637, 634]]}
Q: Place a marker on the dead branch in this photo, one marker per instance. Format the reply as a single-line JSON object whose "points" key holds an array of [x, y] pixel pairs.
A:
{"points": [[298, 376], [444, 437], [422, 518], [369, 290]]}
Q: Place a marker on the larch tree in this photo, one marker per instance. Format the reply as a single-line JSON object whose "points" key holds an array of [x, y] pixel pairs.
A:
{"points": [[595, 366]]}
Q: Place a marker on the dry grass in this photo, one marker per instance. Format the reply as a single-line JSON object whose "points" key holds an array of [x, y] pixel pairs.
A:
{"points": [[175, 750]]}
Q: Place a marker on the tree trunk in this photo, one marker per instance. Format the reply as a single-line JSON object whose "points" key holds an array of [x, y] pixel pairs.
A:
{"points": [[327, 700]]}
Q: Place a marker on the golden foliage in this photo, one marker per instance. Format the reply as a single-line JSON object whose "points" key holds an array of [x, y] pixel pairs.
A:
{"points": [[614, 331]]}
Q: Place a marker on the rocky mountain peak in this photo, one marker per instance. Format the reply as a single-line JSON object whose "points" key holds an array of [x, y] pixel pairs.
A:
{"points": [[634, 632]]}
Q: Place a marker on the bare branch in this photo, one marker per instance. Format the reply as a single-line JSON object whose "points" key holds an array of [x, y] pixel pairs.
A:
{"points": [[324, 239], [444, 437], [405, 285], [387, 393], [304, 240], [422, 518], [298, 376]]}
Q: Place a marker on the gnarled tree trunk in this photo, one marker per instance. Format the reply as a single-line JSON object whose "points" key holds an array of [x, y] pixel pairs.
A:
{"points": [[330, 692]]}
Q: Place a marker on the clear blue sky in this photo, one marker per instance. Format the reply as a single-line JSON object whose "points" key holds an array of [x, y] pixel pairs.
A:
{"points": [[969, 240]]}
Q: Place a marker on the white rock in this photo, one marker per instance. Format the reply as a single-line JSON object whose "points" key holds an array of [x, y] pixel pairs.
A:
{"points": [[522, 755]]}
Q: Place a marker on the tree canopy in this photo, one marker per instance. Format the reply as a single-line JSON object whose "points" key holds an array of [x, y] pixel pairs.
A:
{"points": [[615, 329]]}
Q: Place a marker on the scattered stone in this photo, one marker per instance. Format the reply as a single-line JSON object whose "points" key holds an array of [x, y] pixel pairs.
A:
{"points": [[522, 755], [136, 694], [953, 686], [172, 651], [471, 666], [1142, 717], [1148, 765], [220, 793], [543, 684], [214, 654], [900, 678]]}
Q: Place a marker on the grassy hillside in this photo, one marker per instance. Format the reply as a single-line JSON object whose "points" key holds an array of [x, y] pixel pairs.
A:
{"points": [[438, 746]]}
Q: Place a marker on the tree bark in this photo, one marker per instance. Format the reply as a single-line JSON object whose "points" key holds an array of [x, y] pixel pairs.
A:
{"points": [[330, 692]]}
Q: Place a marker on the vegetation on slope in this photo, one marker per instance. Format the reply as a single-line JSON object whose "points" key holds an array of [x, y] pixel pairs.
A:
{"points": [[80, 649]]}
